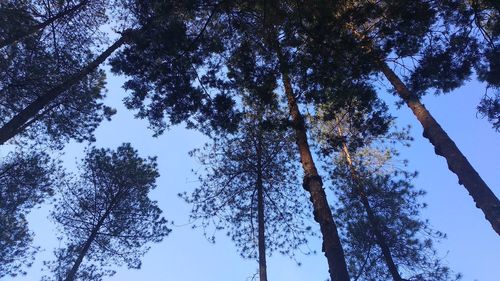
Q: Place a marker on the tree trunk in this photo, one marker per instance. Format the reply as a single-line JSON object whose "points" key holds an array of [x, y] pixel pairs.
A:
{"points": [[313, 183], [83, 252], [374, 223], [444, 146], [13, 39], [260, 211], [14, 125]]}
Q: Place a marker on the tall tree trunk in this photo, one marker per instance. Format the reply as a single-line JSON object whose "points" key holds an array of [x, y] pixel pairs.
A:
{"points": [[13, 39], [444, 146], [86, 246], [372, 218], [15, 125], [260, 211], [313, 183]]}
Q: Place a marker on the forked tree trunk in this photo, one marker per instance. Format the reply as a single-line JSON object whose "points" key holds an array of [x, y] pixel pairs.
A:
{"points": [[13, 39], [313, 183], [17, 123], [444, 146], [372, 218]]}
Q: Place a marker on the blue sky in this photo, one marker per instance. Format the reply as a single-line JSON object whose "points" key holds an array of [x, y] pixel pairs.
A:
{"points": [[472, 247]]}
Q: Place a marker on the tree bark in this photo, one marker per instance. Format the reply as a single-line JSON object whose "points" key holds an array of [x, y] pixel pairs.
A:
{"points": [[372, 218], [13, 39], [313, 183], [260, 211], [15, 125], [444, 146]]}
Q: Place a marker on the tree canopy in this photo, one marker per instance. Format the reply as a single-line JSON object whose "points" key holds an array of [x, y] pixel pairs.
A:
{"points": [[26, 180], [277, 86], [106, 215]]}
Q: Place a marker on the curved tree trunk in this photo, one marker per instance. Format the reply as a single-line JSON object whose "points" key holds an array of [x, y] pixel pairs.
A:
{"points": [[372, 218], [17, 123], [313, 183], [444, 146], [13, 39]]}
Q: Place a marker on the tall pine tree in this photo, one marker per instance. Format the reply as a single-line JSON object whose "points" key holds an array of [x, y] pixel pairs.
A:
{"points": [[106, 215]]}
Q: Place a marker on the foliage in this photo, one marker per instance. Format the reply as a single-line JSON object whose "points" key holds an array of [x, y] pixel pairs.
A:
{"points": [[210, 64], [26, 180], [163, 65], [227, 196], [376, 173], [34, 65], [397, 206], [108, 210], [490, 108]]}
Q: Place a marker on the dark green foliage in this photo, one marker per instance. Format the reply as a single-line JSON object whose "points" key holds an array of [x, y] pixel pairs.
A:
{"points": [[26, 180], [490, 108], [32, 66], [214, 66], [15, 19], [163, 63], [486, 18], [445, 66], [227, 197], [53, 20], [436, 45], [106, 214], [469, 41], [75, 114]]}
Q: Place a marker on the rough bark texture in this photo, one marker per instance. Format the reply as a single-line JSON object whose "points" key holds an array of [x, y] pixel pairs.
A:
{"points": [[13, 39], [313, 183], [375, 226], [444, 146], [16, 124], [260, 211]]}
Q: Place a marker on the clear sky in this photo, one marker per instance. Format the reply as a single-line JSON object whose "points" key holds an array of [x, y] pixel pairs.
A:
{"points": [[472, 247]]}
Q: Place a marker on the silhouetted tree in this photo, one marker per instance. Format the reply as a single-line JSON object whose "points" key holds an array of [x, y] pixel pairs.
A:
{"points": [[106, 215], [250, 187], [26, 180]]}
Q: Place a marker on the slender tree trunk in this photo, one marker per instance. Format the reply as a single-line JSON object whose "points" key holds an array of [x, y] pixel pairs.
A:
{"points": [[13, 39], [444, 146], [86, 246], [15, 125], [372, 218], [313, 183], [260, 211]]}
